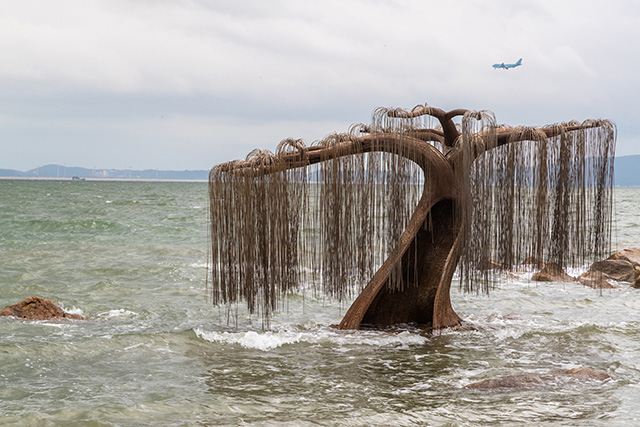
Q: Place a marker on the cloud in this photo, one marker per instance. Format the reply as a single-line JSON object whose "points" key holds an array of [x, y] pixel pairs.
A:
{"points": [[106, 70]]}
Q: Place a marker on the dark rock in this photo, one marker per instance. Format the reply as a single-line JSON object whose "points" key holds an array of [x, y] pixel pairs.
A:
{"points": [[630, 254], [615, 269], [489, 264], [532, 380], [595, 279], [622, 266], [36, 308], [552, 272], [531, 260]]}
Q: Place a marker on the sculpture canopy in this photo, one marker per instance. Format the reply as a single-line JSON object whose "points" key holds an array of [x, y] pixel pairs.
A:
{"points": [[390, 210]]}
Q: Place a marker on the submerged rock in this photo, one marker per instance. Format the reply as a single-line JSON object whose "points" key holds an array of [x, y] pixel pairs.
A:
{"points": [[36, 308], [552, 272], [583, 373], [532, 380], [512, 381], [595, 279]]}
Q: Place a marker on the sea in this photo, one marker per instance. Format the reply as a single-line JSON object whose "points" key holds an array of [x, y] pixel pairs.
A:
{"points": [[132, 258]]}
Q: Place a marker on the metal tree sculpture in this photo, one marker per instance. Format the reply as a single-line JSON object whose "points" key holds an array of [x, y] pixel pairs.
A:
{"points": [[425, 199]]}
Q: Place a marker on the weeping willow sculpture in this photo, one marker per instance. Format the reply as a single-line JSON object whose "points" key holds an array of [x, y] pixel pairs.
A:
{"points": [[390, 210]]}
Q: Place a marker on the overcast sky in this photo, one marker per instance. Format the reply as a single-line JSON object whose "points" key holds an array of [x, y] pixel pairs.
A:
{"points": [[186, 84]]}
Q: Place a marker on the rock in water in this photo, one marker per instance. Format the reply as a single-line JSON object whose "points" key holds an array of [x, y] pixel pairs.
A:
{"points": [[36, 308], [616, 269], [595, 279], [531, 260], [583, 373], [512, 381], [621, 266], [552, 272], [630, 254], [533, 380]]}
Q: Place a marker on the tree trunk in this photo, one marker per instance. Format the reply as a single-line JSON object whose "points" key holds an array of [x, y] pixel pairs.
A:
{"points": [[428, 263]]}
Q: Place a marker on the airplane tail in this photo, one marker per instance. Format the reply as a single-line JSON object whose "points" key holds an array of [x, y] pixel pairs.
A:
{"points": [[519, 62]]}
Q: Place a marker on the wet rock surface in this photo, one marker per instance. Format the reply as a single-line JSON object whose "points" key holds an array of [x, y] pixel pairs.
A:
{"points": [[595, 279], [621, 266], [36, 308], [533, 380], [615, 269], [631, 255], [583, 373], [552, 272]]}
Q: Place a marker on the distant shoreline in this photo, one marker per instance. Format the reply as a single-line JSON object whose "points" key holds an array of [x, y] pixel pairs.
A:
{"points": [[96, 179]]}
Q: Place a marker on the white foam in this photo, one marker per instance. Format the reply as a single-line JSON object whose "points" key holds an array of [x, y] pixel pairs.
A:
{"points": [[577, 271], [74, 310], [117, 313], [199, 265], [264, 341], [270, 340], [133, 346], [53, 325]]}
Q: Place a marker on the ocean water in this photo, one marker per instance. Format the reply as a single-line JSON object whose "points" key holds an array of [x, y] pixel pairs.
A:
{"points": [[131, 257]]}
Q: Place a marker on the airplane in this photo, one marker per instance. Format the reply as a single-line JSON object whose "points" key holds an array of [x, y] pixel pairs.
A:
{"points": [[507, 66]]}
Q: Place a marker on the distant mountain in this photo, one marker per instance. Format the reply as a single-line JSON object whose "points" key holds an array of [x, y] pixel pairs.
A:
{"points": [[11, 173], [627, 172]]}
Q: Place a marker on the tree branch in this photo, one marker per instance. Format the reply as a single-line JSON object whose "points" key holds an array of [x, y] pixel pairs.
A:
{"points": [[412, 148], [494, 138], [450, 131]]}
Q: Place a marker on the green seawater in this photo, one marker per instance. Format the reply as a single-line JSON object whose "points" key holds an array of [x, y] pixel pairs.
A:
{"points": [[131, 257]]}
